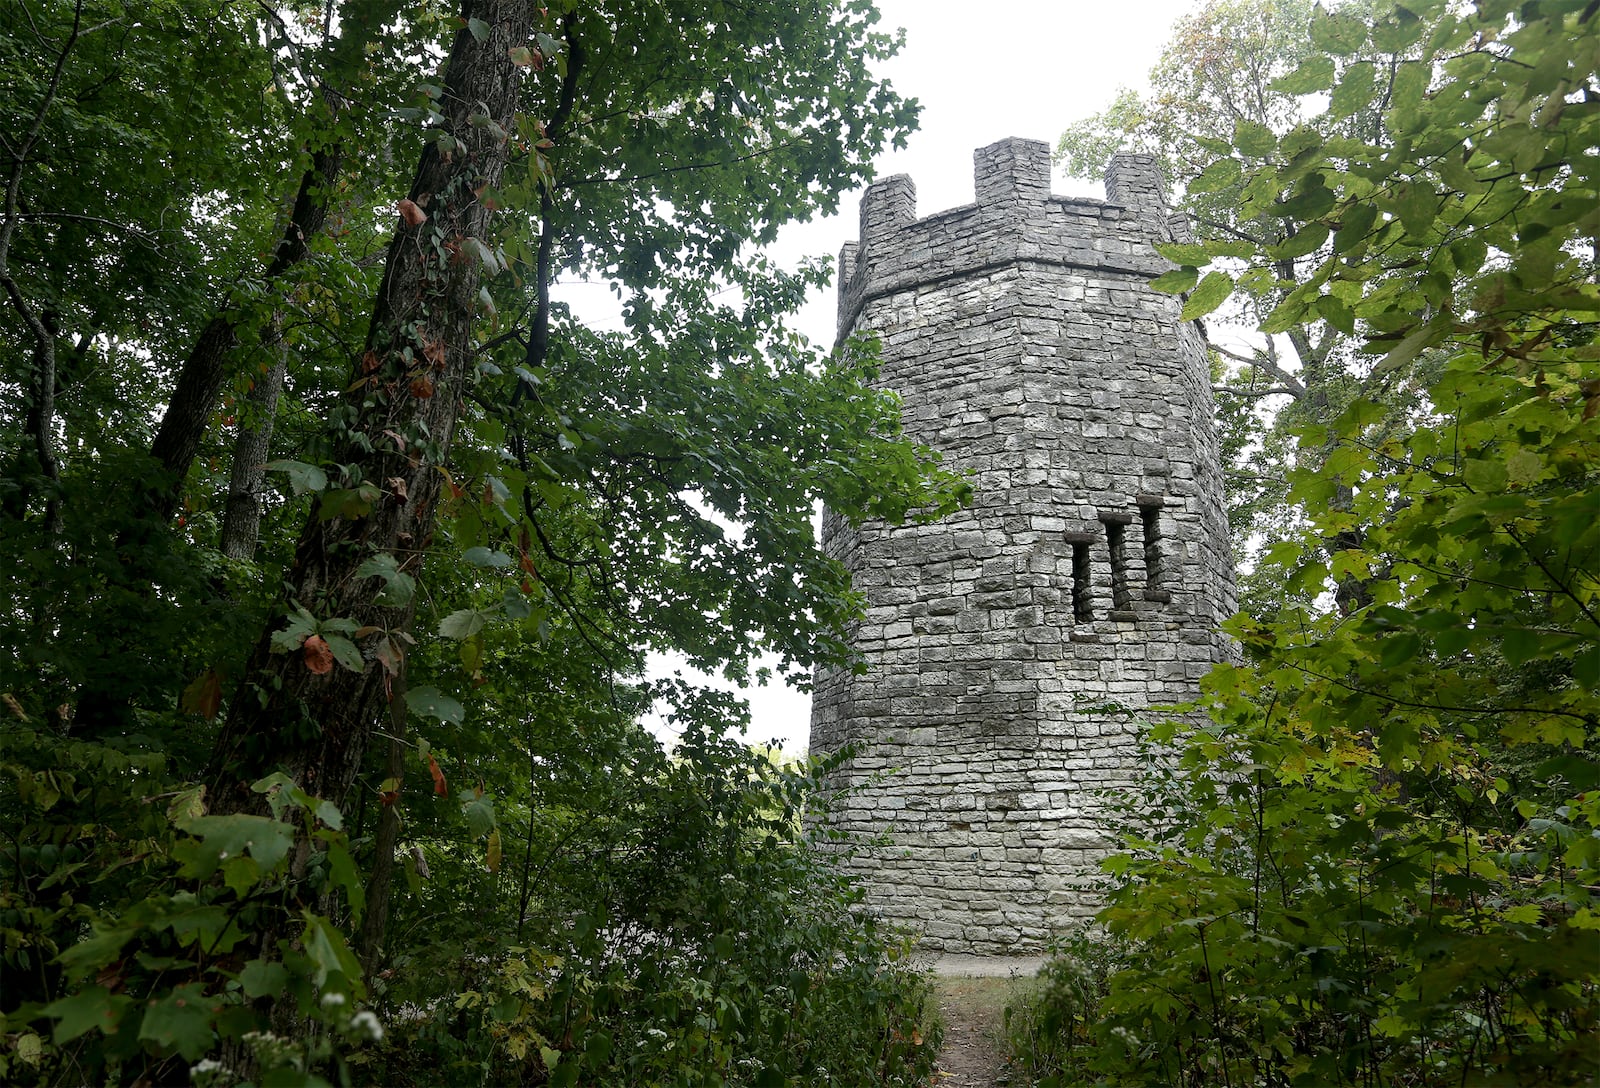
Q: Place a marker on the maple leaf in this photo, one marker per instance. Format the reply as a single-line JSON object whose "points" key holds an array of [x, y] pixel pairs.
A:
{"points": [[203, 696]]}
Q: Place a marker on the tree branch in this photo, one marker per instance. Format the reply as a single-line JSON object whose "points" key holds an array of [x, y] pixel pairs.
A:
{"points": [[41, 413], [1235, 391]]}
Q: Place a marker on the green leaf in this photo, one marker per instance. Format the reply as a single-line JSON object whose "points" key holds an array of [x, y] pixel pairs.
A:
{"points": [[1355, 223], [1212, 292], [263, 978], [463, 623], [1410, 347], [345, 652], [265, 839], [1177, 281], [180, 1021], [487, 557], [1574, 772], [1354, 91], [516, 605], [1253, 138], [302, 477], [330, 956], [89, 1008], [478, 28], [429, 702], [1315, 73], [350, 503], [1218, 176], [344, 873], [1337, 33], [300, 625], [1483, 474], [1396, 650], [329, 814], [1586, 667], [478, 808], [398, 586], [1524, 467], [1308, 239]]}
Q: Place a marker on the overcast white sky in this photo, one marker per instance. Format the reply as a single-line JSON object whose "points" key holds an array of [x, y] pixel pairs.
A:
{"points": [[982, 72]]}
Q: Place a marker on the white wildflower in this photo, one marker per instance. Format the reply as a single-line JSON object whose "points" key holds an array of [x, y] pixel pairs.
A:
{"points": [[209, 1071], [366, 1023]]}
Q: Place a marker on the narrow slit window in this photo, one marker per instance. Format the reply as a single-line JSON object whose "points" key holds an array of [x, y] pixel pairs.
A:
{"points": [[1082, 601], [1121, 599], [1150, 519]]}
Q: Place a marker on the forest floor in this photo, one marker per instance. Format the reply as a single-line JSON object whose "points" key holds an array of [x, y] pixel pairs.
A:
{"points": [[972, 1006]]}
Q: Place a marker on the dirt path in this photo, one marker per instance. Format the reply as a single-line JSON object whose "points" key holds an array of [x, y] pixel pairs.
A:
{"points": [[973, 1009]]}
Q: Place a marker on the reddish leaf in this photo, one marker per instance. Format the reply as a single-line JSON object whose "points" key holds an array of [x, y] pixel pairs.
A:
{"points": [[439, 786], [318, 657], [203, 696], [389, 655], [413, 215], [422, 387], [369, 362]]}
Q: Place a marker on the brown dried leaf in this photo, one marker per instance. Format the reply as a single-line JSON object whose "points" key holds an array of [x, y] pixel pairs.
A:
{"points": [[204, 695], [317, 655], [413, 215]]}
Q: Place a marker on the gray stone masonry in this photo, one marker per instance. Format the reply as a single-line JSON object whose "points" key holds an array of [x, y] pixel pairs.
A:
{"points": [[1092, 567]]}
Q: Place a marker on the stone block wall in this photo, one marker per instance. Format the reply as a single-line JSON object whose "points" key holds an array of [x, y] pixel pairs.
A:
{"points": [[1092, 566]]}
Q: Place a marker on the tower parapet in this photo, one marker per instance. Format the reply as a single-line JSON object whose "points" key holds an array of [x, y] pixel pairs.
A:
{"points": [[1092, 567]]}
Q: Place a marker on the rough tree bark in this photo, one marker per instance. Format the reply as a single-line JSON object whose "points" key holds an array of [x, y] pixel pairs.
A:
{"points": [[394, 425], [241, 515]]}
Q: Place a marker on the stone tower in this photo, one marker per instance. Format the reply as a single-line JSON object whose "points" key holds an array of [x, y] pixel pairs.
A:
{"points": [[1092, 567]]}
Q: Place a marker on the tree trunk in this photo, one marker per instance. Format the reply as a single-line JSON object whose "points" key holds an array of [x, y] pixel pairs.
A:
{"points": [[103, 710], [375, 923], [394, 425], [200, 382], [241, 516], [41, 408]]}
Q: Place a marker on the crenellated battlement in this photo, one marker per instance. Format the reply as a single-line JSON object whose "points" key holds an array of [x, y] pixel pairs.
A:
{"points": [[1014, 217]]}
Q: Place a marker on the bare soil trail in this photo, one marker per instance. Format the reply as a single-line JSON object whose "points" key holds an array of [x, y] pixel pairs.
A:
{"points": [[972, 1007]]}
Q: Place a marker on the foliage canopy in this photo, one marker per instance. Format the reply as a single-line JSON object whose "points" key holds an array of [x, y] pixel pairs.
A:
{"points": [[334, 547], [1377, 863]]}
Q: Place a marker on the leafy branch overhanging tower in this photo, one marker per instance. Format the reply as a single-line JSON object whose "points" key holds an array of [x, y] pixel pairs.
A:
{"points": [[1093, 566]]}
